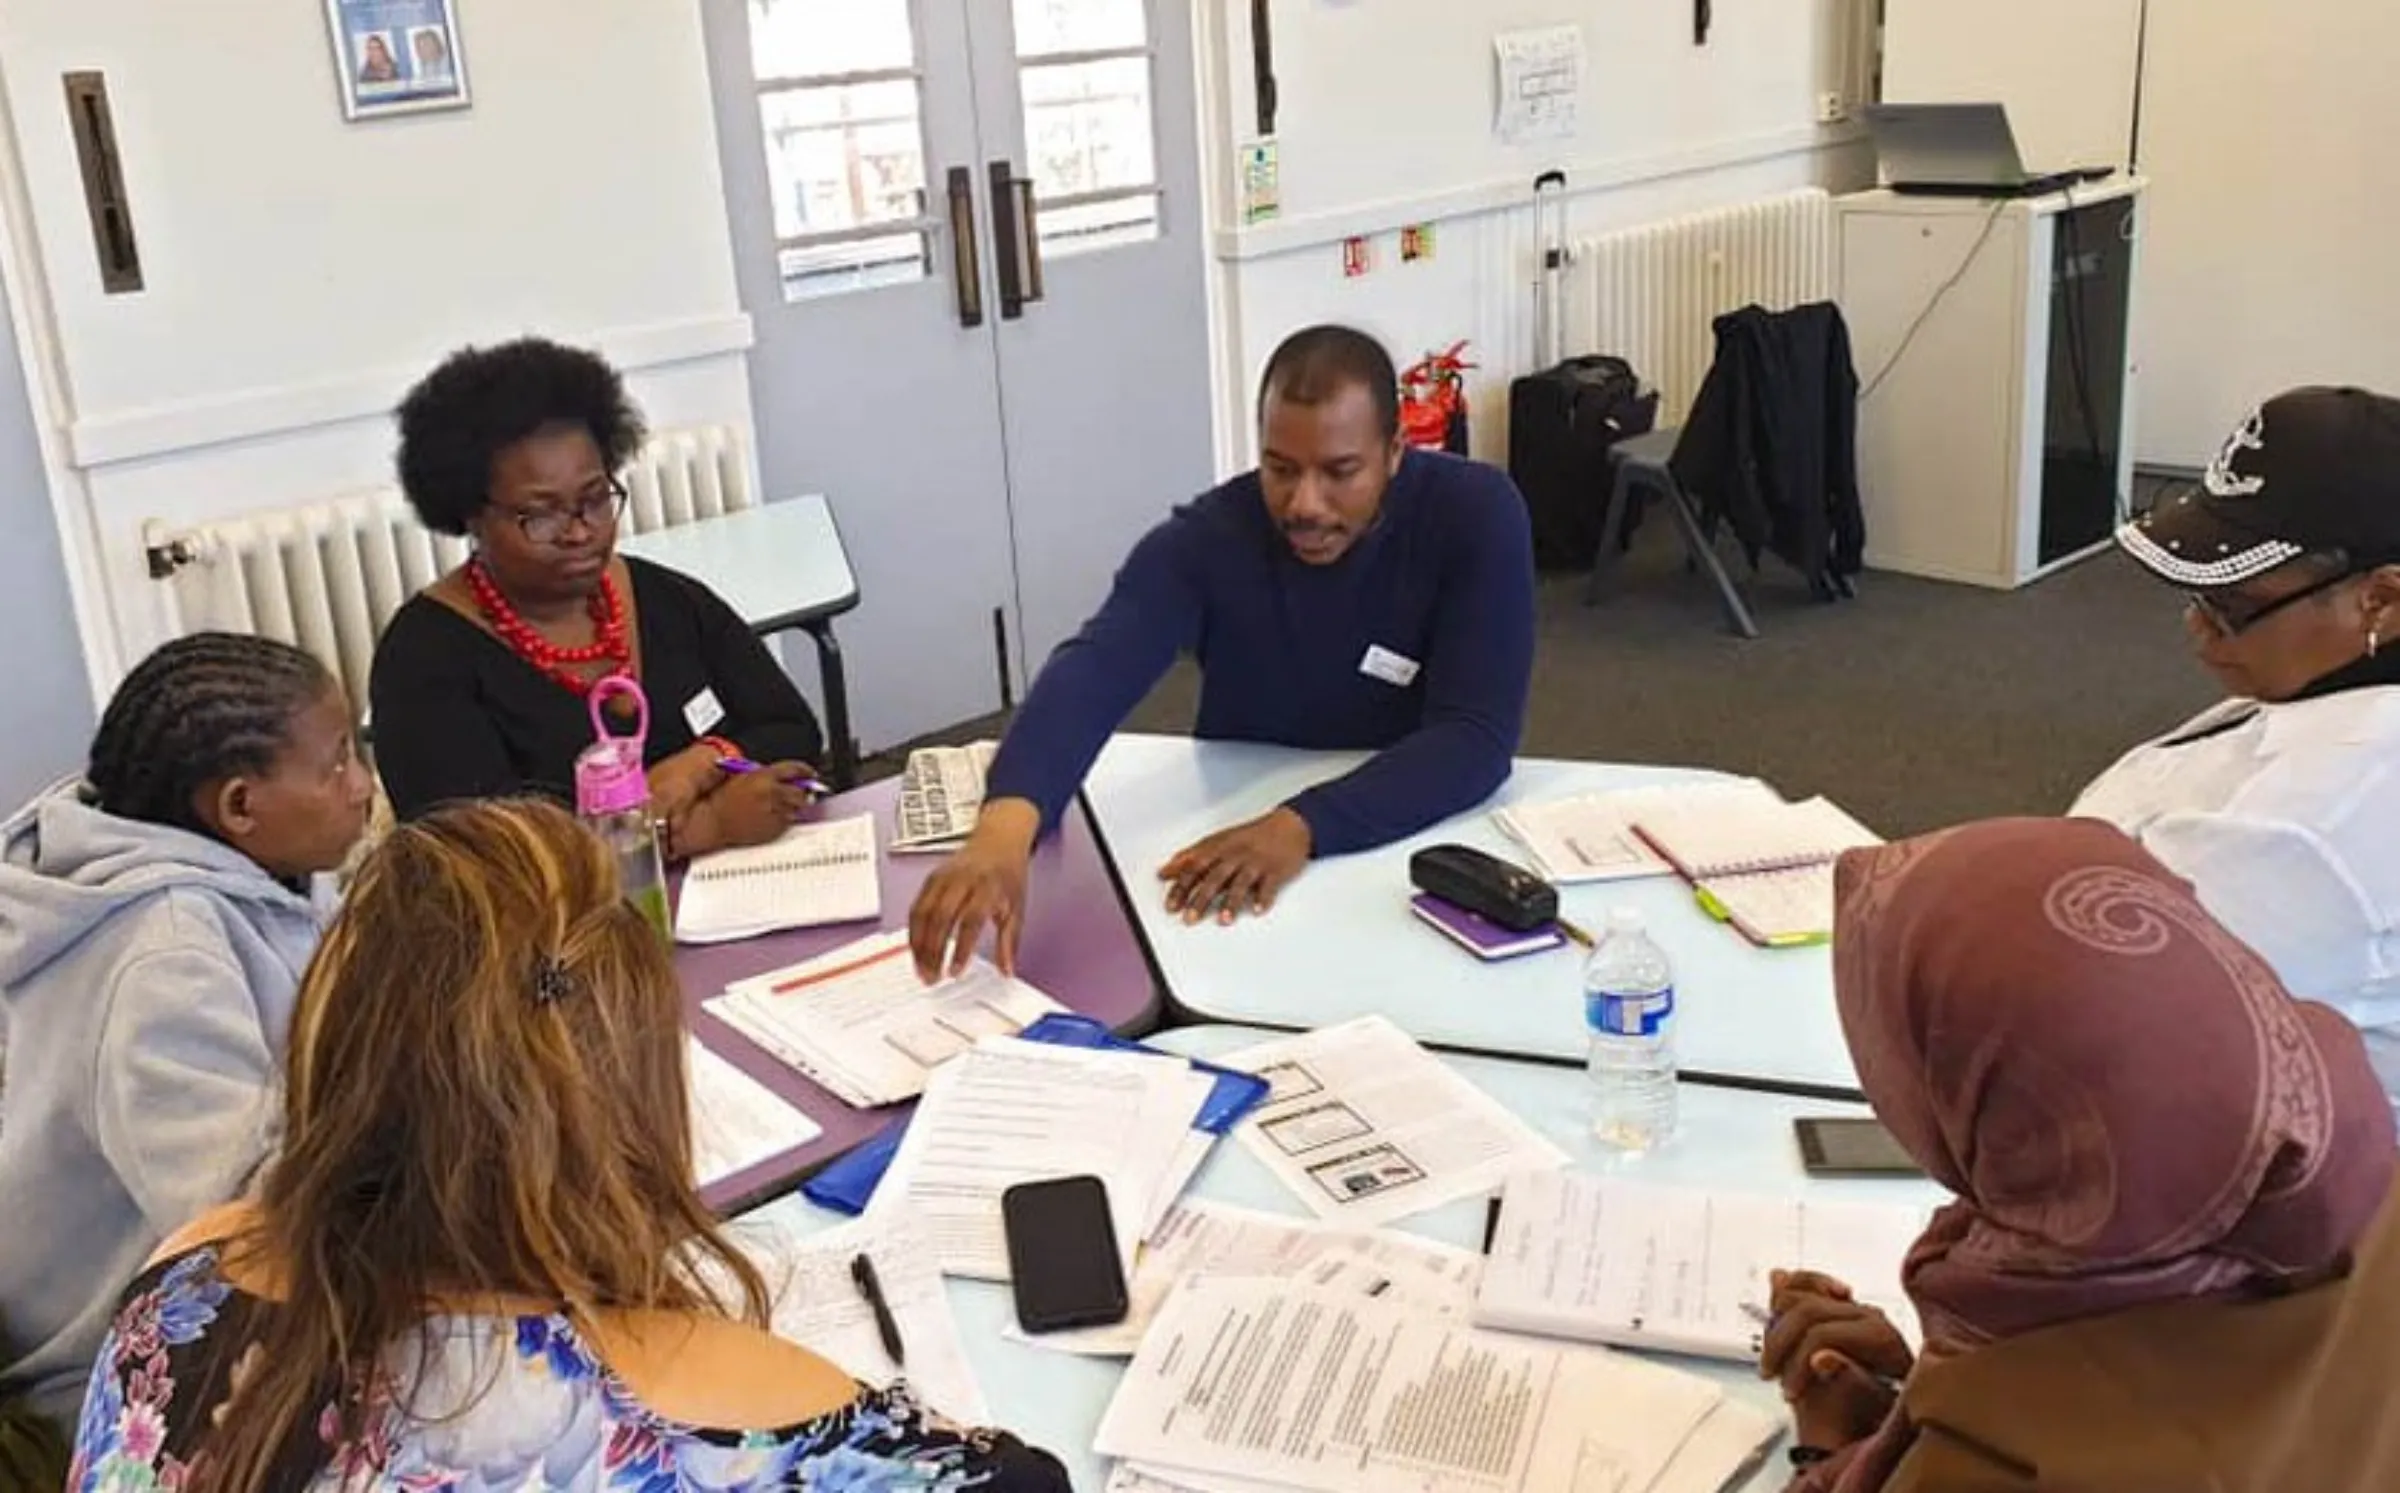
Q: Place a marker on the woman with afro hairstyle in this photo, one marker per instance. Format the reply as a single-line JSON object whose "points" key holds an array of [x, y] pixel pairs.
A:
{"points": [[480, 682]]}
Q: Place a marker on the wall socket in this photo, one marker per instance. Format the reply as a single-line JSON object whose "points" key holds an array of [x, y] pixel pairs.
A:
{"points": [[1832, 108]]}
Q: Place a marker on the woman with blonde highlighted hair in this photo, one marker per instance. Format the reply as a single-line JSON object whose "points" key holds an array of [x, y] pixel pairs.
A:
{"points": [[481, 1259]]}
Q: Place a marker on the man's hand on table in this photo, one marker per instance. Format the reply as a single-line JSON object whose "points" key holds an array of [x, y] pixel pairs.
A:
{"points": [[981, 886], [1238, 870]]}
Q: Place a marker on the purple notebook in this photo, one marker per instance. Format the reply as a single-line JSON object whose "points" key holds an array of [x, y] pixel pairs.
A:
{"points": [[1479, 935]]}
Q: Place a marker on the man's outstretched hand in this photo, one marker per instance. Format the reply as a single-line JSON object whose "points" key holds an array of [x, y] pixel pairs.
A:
{"points": [[1238, 870]]}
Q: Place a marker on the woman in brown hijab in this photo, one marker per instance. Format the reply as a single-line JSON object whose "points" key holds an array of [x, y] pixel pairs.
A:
{"points": [[2173, 1262]]}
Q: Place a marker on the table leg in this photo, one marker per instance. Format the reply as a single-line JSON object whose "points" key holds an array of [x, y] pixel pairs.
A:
{"points": [[843, 770]]}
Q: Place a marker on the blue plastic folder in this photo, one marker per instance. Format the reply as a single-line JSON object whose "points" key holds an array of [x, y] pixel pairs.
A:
{"points": [[848, 1184]]}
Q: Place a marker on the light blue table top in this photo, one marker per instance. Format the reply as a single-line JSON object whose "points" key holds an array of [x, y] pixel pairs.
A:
{"points": [[1342, 943], [777, 566], [1729, 1139]]}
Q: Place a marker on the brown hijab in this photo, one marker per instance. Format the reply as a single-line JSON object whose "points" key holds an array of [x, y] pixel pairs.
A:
{"points": [[2126, 1101]]}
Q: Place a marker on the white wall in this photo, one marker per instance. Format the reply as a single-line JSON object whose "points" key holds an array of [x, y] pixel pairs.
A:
{"points": [[1386, 120], [47, 706], [2064, 68], [302, 271]]}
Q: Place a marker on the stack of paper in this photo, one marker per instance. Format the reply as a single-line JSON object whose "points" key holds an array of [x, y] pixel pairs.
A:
{"points": [[1260, 1382], [1590, 836], [1010, 1112], [1200, 1239], [814, 875], [1365, 1127], [818, 1304], [737, 1122], [1678, 1270], [859, 1022]]}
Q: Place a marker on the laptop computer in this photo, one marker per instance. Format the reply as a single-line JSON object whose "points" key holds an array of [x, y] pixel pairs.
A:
{"points": [[1957, 150]]}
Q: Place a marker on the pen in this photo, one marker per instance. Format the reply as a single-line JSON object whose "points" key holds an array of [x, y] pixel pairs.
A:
{"points": [[862, 1274], [1575, 933], [1758, 1314], [743, 767]]}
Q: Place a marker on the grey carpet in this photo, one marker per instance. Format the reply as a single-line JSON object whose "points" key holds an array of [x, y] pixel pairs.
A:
{"points": [[1915, 706]]}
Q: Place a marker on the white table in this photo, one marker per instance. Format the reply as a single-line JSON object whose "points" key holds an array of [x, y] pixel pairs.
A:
{"points": [[779, 567], [1342, 943], [1730, 1139]]}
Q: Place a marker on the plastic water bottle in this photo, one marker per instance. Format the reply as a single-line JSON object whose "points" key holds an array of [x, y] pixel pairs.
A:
{"points": [[612, 797], [1629, 1010]]}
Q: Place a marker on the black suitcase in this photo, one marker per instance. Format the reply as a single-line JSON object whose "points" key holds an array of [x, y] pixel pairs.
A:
{"points": [[1562, 420]]}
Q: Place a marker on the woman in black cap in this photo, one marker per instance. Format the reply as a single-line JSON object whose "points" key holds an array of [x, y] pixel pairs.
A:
{"points": [[2282, 804]]}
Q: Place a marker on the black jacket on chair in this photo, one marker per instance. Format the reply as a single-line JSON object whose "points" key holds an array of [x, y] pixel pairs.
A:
{"points": [[1771, 447]]}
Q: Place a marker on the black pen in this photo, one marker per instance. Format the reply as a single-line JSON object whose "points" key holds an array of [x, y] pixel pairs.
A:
{"points": [[862, 1274]]}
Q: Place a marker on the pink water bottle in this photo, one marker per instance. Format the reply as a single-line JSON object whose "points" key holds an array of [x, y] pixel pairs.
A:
{"points": [[612, 795]]}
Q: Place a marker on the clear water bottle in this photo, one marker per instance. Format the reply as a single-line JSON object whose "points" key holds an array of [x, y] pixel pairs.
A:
{"points": [[1629, 1011], [612, 797]]}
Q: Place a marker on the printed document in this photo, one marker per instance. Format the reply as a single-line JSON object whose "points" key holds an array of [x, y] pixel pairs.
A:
{"points": [[1201, 1238], [737, 1122], [1011, 1112], [1282, 1384], [1646, 1265], [859, 1021], [818, 1304], [1366, 1127]]}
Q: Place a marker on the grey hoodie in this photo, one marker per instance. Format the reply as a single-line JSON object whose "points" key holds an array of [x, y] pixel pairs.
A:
{"points": [[147, 977]]}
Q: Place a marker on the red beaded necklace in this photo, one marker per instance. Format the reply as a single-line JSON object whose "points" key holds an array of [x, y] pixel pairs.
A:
{"points": [[611, 645]]}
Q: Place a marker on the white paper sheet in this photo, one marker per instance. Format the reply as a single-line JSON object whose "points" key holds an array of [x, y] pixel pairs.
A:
{"points": [[737, 1122], [1011, 1112], [860, 1022], [818, 1305], [1258, 1380], [812, 876], [1589, 837], [1651, 1266], [1200, 1238], [1365, 1127], [1541, 84]]}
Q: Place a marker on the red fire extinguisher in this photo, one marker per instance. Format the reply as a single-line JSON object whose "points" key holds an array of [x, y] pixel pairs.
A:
{"points": [[1433, 401]]}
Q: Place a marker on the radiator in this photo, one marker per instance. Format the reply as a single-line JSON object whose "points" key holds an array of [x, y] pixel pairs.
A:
{"points": [[328, 576], [1650, 294]]}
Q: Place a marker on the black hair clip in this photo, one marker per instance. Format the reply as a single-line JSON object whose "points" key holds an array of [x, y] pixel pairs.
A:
{"points": [[551, 982]]}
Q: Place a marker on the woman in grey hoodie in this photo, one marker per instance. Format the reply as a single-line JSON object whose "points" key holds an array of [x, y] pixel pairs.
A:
{"points": [[155, 918]]}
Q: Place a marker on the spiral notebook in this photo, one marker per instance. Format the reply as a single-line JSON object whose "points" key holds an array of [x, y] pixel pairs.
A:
{"points": [[816, 874], [1764, 866]]}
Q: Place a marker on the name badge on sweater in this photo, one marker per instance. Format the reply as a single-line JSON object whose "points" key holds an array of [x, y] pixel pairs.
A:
{"points": [[702, 712], [1382, 663]]}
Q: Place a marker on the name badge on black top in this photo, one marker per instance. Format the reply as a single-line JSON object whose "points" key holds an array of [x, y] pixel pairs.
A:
{"points": [[1382, 663]]}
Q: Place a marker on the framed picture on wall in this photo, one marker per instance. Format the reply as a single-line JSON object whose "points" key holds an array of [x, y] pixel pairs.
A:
{"points": [[397, 56]]}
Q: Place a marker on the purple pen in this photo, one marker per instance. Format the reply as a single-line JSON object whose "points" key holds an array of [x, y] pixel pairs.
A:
{"points": [[743, 766]]}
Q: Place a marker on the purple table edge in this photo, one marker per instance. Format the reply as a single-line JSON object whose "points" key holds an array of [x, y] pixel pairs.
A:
{"points": [[1080, 948]]}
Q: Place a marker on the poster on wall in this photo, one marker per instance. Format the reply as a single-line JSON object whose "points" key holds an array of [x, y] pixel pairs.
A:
{"points": [[397, 56]]}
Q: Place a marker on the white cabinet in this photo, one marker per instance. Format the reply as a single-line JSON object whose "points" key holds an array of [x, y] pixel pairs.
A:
{"points": [[1997, 445]]}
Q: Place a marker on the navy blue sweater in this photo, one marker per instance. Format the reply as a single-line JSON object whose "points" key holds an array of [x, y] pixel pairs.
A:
{"points": [[1444, 581]]}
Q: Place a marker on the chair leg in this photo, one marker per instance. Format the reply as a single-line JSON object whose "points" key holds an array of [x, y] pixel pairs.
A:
{"points": [[1737, 613], [842, 771], [1612, 533]]}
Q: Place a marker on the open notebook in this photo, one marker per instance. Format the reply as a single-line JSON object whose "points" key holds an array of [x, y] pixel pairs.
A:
{"points": [[1589, 837], [1763, 865], [815, 874], [1678, 1269]]}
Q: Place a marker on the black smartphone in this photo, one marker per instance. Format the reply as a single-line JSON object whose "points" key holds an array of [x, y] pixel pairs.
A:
{"points": [[1852, 1148], [1062, 1254]]}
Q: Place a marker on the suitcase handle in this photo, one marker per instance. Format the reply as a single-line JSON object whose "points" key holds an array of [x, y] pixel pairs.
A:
{"points": [[1549, 289]]}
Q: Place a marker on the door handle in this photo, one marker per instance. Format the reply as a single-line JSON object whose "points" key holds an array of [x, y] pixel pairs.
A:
{"points": [[1018, 240], [966, 254]]}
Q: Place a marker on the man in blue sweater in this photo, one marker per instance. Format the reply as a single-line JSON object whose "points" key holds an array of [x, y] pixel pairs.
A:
{"points": [[1350, 593]]}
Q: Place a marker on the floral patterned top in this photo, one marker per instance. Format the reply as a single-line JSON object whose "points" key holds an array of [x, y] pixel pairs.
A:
{"points": [[552, 1416]]}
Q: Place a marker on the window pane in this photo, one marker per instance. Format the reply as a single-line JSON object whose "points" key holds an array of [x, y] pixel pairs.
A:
{"points": [[1087, 125], [844, 157], [810, 38], [1078, 25], [1099, 225], [862, 264]]}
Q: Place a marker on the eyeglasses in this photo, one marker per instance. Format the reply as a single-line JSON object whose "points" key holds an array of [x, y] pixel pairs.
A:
{"points": [[2230, 614], [549, 525]]}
